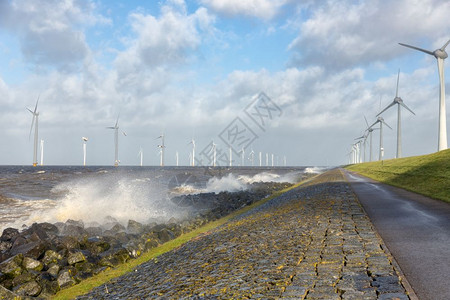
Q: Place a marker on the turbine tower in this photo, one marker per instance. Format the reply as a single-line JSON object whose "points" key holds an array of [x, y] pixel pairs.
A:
{"points": [[381, 121], [252, 157], [85, 139], [260, 159], [440, 55], [116, 141], [213, 150], [399, 102], [162, 146], [35, 123], [176, 157], [230, 156], [141, 155], [42, 152], [242, 157], [193, 152]]}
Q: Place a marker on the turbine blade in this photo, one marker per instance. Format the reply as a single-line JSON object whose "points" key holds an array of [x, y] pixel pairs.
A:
{"points": [[37, 101], [417, 48], [404, 105], [398, 78], [124, 133], [389, 106], [31, 128], [386, 124], [117, 121], [110, 127], [446, 44], [358, 138], [367, 123], [373, 124]]}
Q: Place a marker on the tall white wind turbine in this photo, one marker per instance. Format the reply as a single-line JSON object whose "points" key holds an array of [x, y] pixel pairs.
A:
{"points": [[252, 157], [399, 102], [260, 159], [116, 141], [193, 152], [141, 156], [162, 147], [85, 139], [176, 157], [213, 150], [381, 121], [35, 122], [230, 156], [42, 152], [440, 55], [242, 157]]}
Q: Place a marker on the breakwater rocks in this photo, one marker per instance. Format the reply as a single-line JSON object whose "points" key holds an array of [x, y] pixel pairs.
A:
{"points": [[44, 258], [313, 242]]}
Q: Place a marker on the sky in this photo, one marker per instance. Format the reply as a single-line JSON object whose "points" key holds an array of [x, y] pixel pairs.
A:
{"points": [[290, 78]]}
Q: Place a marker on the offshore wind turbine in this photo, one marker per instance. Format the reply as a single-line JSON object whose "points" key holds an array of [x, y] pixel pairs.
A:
{"points": [[242, 157], [381, 121], [85, 139], [35, 123], [440, 55], [267, 159], [399, 102], [193, 152], [42, 152], [272, 159], [162, 147], [213, 150], [176, 157], [252, 157], [116, 141], [230, 156], [260, 159], [141, 155]]}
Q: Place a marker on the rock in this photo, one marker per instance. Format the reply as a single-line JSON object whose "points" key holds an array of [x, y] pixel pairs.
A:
{"points": [[134, 227], [73, 230], [78, 223], [75, 257], [51, 257], [22, 278], [53, 270], [12, 266], [31, 288], [165, 235], [94, 231], [65, 279], [8, 234], [34, 249], [31, 264], [48, 284], [69, 242], [5, 246], [7, 294], [96, 245], [117, 228], [42, 231]]}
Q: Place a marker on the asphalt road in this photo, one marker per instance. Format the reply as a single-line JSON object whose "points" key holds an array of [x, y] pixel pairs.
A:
{"points": [[416, 229]]}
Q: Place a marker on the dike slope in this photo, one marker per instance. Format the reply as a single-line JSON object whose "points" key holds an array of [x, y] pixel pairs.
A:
{"points": [[312, 242], [428, 175]]}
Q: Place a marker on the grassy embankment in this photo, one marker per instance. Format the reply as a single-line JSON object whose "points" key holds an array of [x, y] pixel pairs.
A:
{"points": [[90, 283], [428, 175]]}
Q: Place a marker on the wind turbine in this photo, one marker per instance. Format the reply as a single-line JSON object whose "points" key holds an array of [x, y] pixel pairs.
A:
{"points": [[284, 160], [193, 152], [399, 102], [176, 157], [116, 141], [242, 157], [362, 139], [230, 156], [260, 159], [141, 155], [162, 147], [440, 55], [42, 152], [252, 157], [272, 159], [35, 123], [213, 150], [381, 121], [85, 139]]}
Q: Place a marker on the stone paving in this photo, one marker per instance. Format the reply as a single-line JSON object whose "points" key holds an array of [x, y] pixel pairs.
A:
{"points": [[313, 242]]}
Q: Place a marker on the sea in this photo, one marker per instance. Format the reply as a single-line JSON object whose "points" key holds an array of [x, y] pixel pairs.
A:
{"points": [[97, 194]]}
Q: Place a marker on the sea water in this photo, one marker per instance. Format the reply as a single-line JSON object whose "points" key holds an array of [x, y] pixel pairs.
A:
{"points": [[97, 194]]}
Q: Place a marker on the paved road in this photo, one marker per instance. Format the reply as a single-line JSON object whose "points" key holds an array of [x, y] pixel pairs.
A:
{"points": [[416, 229]]}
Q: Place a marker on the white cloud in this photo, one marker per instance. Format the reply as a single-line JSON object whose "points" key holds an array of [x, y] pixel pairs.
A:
{"points": [[263, 9], [341, 34], [50, 31]]}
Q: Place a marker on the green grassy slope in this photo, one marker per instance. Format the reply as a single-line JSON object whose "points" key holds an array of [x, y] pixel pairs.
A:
{"points": [[428, 175]]}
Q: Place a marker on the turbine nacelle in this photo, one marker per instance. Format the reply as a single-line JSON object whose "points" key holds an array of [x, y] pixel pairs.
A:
{"points": [[439, 53]]}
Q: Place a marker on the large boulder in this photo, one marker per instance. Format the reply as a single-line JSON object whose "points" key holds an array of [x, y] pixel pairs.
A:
{"points": [[7, 294], [51, 257], [30, 288], [134, 227], [75, 257], [31, 264], [66, 278], [8, 234], [32, 249], [11, 267]]}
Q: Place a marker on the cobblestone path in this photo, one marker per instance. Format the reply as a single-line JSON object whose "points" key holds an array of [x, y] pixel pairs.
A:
{"points": [[313, 242]]}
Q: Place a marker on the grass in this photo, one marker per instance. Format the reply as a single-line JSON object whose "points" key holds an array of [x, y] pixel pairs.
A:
{"points": [[428, 175], [86, 285]]}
